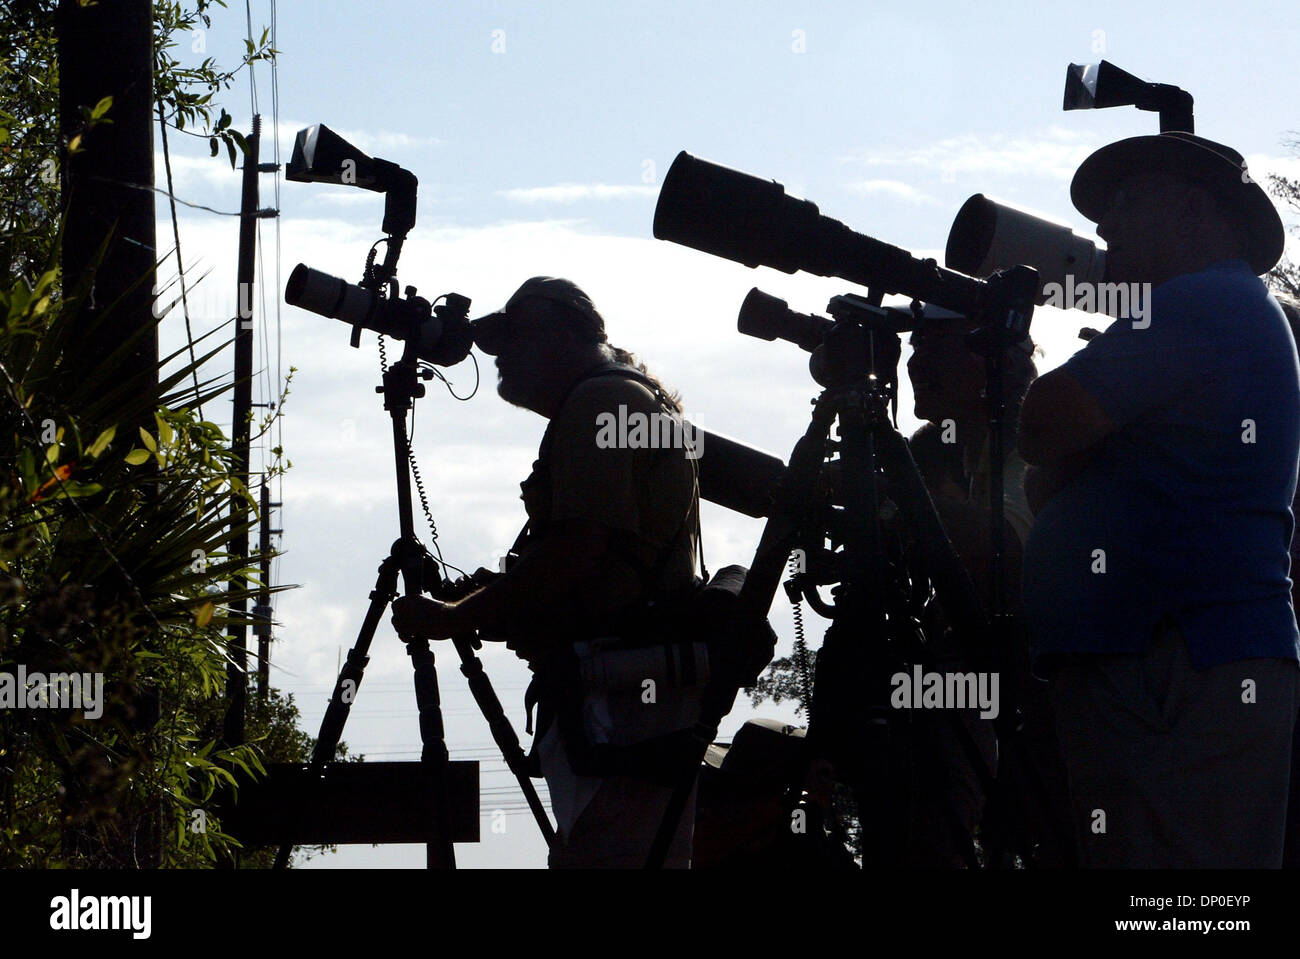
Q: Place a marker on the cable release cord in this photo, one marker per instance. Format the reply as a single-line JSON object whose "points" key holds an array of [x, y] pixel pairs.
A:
{"points": [[410, 450], [801, 657]]}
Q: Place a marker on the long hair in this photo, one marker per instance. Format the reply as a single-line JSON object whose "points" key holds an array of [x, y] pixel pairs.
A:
{"points": [[624, 358], [590, 328]]}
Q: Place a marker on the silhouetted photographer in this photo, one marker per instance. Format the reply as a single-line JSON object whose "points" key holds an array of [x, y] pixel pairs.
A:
{"points": [[1155, 579], [604, 572]]}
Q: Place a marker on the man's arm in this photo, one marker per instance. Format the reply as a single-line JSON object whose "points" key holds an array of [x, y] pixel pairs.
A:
{"points": [[575, 558], [1043, 482], [573, 561], [1061, 422], [577, 573]]}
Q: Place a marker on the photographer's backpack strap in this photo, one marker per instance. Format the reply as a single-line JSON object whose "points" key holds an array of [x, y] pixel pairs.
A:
{"points": [[538, 483]]}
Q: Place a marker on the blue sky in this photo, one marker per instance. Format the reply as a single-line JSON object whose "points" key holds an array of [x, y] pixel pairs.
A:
{"points": [[540, 132]]}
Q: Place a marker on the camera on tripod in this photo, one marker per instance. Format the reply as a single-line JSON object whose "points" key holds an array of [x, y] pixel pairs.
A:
{"points": [[439, 334], [878, 329], [885, 579], [442, 333]]}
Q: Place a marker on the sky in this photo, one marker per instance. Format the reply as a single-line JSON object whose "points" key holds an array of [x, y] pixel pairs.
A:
{"points": [[540, 133]]}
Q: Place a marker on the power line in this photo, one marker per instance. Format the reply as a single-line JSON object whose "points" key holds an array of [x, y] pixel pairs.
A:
{"points": [[180, 264], [148, 187], [275, 132], [252, 76]]}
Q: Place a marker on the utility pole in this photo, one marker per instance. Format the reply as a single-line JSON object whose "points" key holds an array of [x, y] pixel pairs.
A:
{"points": [[262, 610], [237, 638], [106, 50]]}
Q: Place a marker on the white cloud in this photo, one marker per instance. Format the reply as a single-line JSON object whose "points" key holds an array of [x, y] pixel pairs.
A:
{"points": [[373, 142], [894, 188], [573, 192], [1056, 154], [189, 172]]}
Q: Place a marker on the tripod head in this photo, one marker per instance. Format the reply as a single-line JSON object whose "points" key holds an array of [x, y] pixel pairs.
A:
{"points": [[861, 339]]}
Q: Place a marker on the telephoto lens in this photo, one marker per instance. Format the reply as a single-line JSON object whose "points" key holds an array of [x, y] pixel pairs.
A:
{"points": [[443, 333], [768, 317], [988, 236]]}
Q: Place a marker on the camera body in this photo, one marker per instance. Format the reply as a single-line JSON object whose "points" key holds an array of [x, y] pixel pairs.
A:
{"points": [[441, 333]]}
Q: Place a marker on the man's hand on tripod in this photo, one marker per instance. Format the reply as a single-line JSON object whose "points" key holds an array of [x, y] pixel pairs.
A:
{"points": [[418, 617]]}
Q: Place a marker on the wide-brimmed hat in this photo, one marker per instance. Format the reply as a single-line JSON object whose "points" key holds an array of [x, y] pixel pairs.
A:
{"points": [[490, 331], [1219, 169]]}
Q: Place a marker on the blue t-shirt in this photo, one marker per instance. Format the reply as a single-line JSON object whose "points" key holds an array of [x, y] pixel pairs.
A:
{"points": [[1186, 509]]}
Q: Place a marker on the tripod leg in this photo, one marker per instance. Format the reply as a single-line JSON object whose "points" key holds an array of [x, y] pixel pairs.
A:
{"points": [[854, 657], [852, 724], [960, 602], [433, 755], [751, 607], [1032, 809], [349, 682], [504, 734]]}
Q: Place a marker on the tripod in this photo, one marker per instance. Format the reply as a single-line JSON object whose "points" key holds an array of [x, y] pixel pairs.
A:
{"points": [[846, 364], [1006, 828], [420, 573], [874, 633], [852, 722]]}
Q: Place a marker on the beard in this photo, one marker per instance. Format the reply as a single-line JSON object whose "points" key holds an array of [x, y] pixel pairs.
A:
{"points": [[508, 391], [515, 388]]}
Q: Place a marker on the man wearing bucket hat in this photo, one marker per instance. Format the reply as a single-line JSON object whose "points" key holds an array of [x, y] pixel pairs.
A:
{"points": [[1155, 579], [610, 527]]}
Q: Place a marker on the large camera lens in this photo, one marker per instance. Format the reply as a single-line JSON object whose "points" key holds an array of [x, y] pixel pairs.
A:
{"points": [[328, 295], [442, 336], [768, 317]]}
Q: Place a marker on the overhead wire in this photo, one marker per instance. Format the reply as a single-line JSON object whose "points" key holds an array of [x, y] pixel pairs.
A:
{"points": [[270, 391], [252, 77], [180, 263], [278, 497]]}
